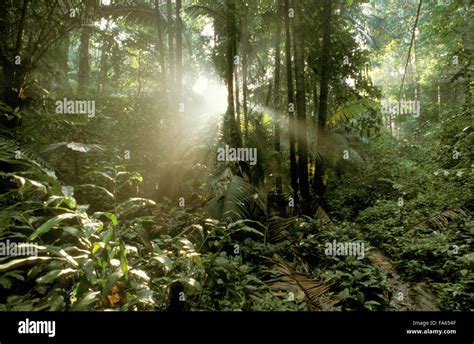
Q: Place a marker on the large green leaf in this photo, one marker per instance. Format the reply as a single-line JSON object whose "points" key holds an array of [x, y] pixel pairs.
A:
{"points": [[52, 275], [45, 227], [16, 263]]}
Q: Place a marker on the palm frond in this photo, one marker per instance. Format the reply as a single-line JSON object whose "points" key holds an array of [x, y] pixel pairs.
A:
{"points": [[237, 200], [291, 281], [350, 110], [277, 228], [332, 147], [439, 221], [139, 14], [74, 146], [13, 153]]}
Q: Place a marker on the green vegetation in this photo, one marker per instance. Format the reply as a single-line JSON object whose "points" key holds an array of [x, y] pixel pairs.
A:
{"points": [[112, 115]]}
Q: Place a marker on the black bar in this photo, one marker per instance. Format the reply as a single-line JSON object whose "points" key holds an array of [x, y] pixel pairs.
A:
{"points": [[318, 327]]}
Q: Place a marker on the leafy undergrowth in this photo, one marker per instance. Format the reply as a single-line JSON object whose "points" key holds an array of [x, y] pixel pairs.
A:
{"points": [[138, 255], [101, 247], [418, 208]]}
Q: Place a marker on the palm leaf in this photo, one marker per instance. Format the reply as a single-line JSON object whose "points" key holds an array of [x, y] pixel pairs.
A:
{"points": [[295, 282], [277, 228], [237, 200], [350, 110], [74, 146], [139, 14], [439, 221]]}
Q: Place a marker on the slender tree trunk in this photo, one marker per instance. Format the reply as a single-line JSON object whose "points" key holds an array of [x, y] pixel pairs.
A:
{"points": [[315, 104], [161, 46], [245, 93], [325, 66], [101, 85], [64, 48], [245, 56], [237, 94], [269, 93], [314, 130], [278, 181], [231, 38], [291, 103], [169, 16], [318, 184], [302, 136], [179, 52], [19, 38], [84, 61]]}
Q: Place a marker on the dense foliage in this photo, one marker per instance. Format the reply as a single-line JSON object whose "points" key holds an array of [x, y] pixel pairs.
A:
{"points": [[129, 209]]}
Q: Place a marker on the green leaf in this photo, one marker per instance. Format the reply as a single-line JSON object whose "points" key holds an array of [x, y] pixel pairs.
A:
{"points": [[20, 262], [191, 282], [123, 260], [5, 282], [136, 176], [167, 263], [105, 175], [250, 230], [15, 274], [83, 147], [101, 188], [44, 228], [111, 217], [196, 259], [70, 202], [85, 301], [140, 274], [97, 246], [56, 303], [52, 275], [69, 258]]}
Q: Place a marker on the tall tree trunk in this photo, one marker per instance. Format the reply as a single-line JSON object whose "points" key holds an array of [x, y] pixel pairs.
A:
{"points": [[314, 128], [230, 53], [237, 95], [19, 37], [291, 104], [84, 61], [179, 52], [14, 75], [318, 184], [245, 56], [278, 181], [169, 17], [161, 48], [313, 82], [101, 84], [64, 47], [325, 66], [302, 136]]}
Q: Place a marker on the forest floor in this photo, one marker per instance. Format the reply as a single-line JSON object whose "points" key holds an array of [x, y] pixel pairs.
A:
{"points": [[402, 296]]}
